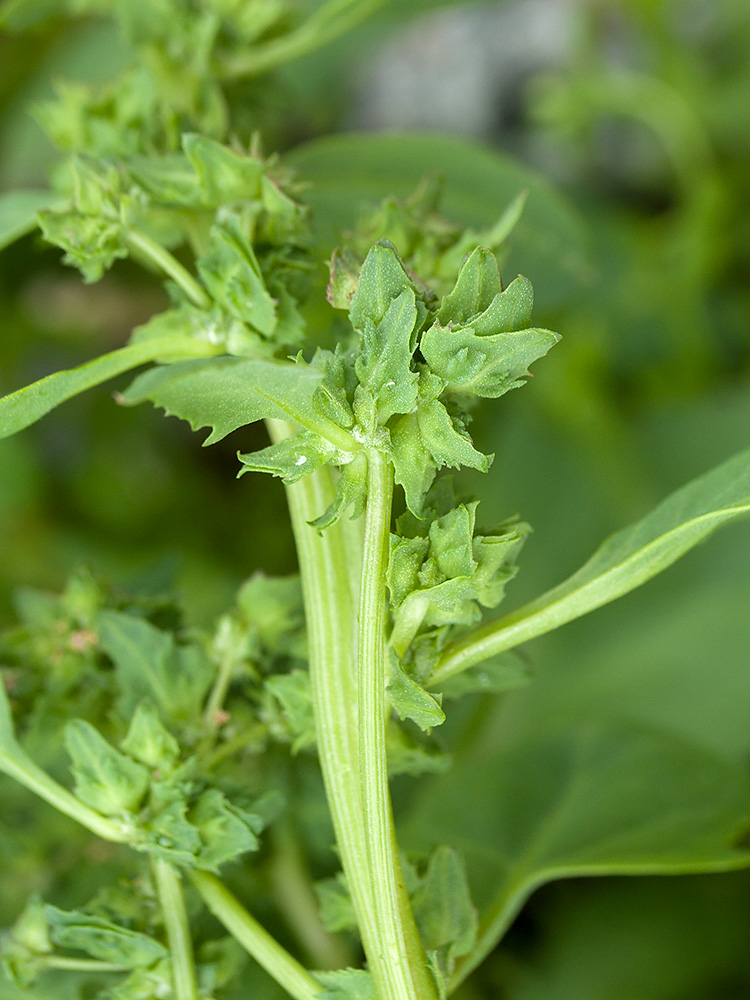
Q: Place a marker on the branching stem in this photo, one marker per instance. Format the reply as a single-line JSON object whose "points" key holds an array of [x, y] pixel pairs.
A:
{"points": [[169, 264], [256, 940], [331, 20], [16, 764], [347, 753]]}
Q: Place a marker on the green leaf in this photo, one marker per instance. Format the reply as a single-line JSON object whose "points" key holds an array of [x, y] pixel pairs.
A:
{"points": [[226, 830], [348, 172], [292, 691], [509, 311], [476, 287], [23, 948], [494, 676], [384, 365], [346, 984], [446, 439], [224, 174], [19, 212], [408, 754], [169, 834], [351, 491], [333, 397], [624, 562], [231, 273], [227, 393], [105, 779], [272, 608], [336, 907], [445, 915], [587, 800], [414, 466], [168, 180], [148, 741], [102, 939], [25, 406], [483, 366], [292, 458], [411, 701], [428, 439], [143, 984], [91, 243], [381, 280], [149, 665]]}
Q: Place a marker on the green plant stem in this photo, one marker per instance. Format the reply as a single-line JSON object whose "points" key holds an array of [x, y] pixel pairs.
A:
{"points": [[168, 263], [178, 930], [400, 969], [256, 940], [82, 964], [244, 739], [16, 764], [295, 898], [330, 21], [329, 590], [219, 691]]}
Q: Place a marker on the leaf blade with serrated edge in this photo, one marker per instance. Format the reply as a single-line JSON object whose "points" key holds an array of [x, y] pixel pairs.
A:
{"points": [[227, 393]]}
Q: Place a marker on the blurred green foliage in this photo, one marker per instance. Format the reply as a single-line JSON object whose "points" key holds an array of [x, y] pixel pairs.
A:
{"points": [[650, 120]]}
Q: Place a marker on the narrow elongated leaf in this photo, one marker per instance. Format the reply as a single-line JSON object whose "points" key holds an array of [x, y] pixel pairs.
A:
{"points": [[18, 213], [24, 407], [227, 393], [625, 561]]}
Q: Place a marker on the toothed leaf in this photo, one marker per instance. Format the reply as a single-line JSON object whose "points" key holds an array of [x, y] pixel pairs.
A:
{"points": [[483, 366], [105, 779], [226, 830], [477, 285], [231, 273], [381, 280], [227, 393], [411, 701], [148, 741], [384, 366], [291, 458]]}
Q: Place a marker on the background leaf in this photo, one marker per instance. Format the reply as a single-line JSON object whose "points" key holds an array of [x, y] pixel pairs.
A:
{"points": [[590, 800], [18, 213], [352, 172]]}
